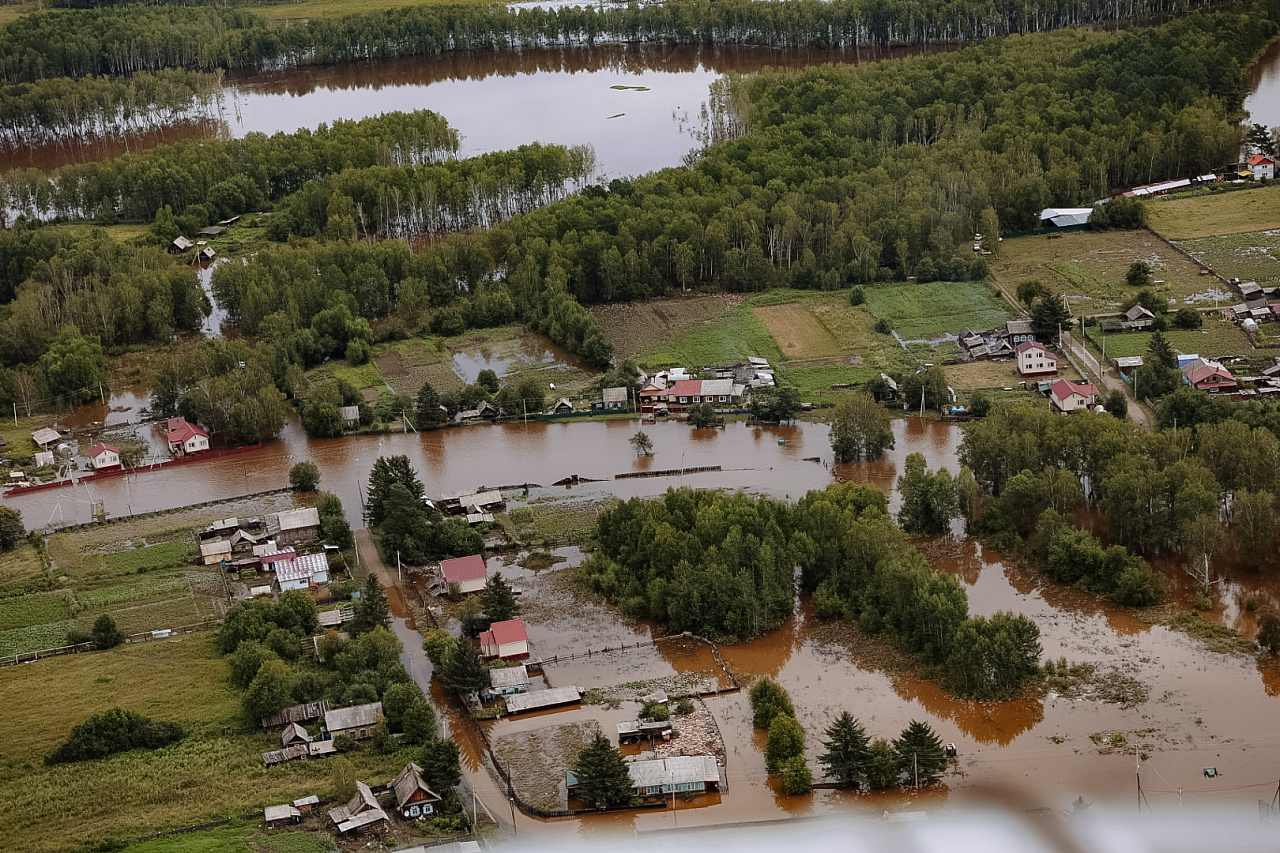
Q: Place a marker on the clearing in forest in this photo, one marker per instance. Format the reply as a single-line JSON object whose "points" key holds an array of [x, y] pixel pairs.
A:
{"points": [[1089, 267], [798, 330], [636, 329], [1216, 213]]}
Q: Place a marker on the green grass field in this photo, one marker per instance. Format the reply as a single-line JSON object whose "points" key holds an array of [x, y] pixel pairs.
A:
{"points": [[929, 311], [19, 564], [1251, 256], [815, 382], [207, 776], [735, 337], [1215, 214], [1090, 266], [239, 836], [1216, 340]]}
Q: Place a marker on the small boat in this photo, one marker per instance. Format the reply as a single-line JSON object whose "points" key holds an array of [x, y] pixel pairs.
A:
{"points": [[782, 441]]}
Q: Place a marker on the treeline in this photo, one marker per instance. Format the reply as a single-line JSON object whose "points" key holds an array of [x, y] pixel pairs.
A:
{"points": [[722, 566], [1164, 493], [128, 39], [408, 201], [50, 110], [226, 177]]}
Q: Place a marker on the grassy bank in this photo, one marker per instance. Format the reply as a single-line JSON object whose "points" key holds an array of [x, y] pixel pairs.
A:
{"points": [[1215, 214]]}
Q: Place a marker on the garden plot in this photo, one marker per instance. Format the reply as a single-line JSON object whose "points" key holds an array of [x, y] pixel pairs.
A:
{"points": [[1252, 256]]}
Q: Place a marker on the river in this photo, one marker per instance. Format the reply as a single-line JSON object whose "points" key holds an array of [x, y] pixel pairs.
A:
{"points": [[497, 100], [1263, 103]]}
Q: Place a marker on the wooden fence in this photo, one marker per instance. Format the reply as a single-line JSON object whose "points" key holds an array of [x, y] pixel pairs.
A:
{"points": [[669, 472], [141, 637]]}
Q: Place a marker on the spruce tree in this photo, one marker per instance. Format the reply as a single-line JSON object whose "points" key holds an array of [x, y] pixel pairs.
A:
{"points": [[1160, 353], [439, 763], [848, 750], [498, 599], [427, 411], [372, 609], [604, 781], [464, 670], [386, 471], [920, 751]]}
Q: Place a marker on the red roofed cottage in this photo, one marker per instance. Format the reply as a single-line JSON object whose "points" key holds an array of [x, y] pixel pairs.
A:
{"points": [[506, 640], [468, 573]]}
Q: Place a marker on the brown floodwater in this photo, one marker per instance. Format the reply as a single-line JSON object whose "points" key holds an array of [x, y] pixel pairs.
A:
{"points": [[497, 100], [1203, 709]]}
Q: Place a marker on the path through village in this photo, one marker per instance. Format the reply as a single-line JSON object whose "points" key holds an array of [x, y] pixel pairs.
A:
{"points": [[1086, 361], [475, 783]]}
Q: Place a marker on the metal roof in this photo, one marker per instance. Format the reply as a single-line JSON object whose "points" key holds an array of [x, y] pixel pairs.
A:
{"points": [[354, 717], [295, 519], [677, 770], [271, 813], [521, 702], [511, 676], [45, 436], [304, 566], [463, 569]]}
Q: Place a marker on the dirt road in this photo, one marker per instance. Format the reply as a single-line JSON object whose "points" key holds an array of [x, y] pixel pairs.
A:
{"points": [[1105, 378]]}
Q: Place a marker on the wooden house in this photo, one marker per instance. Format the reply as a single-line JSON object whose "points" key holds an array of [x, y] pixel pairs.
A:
{"points": [[293, 735], [303, 572], [179, 245], [295, 525], [1138, 317], [507, 681], [1208, 376], [657, 778], [296, 714], [356, 722], [361, 815], [414, 798], [215, 551], [563, 406]]}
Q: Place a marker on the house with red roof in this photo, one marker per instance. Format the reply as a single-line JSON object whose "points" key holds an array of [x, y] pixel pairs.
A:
{"points": [[104, 456], [507, 640], [1067, 396], [185, 438], [469, 573], [1035, 360], [1208, 376], [1263, 168]]}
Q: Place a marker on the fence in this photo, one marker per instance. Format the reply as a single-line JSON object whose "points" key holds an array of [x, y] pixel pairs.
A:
{"points": [[141, 637]]}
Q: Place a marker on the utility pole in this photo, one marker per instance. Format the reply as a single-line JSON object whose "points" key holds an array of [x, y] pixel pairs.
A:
{"points": [[915, 766], [399, 570]]}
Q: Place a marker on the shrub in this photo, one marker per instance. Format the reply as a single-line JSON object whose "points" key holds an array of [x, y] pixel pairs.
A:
{"points": [[857, 296], [105, 633], [114, 731], [796, 777], [768, 699], [304, 477], [655, 711], [684, 706]]}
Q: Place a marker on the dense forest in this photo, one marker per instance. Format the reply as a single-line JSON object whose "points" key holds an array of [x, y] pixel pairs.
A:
{"points": [[847, 174], [1027, 473], [125, 39], [723, 566], [225, 177]]}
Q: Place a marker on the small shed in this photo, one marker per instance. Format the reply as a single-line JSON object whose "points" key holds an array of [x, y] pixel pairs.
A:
{"points": [[215, 551], [296, 714], [507, 681], [539, 700], [179, 245], [45, 436], [361, 814], [563, 406], [281, 815], [615, 399], [211, 231], [350, 415], [293, 735]]}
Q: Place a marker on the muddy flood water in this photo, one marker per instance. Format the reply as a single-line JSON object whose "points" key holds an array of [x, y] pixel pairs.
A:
{"points": [[1201, 709]]}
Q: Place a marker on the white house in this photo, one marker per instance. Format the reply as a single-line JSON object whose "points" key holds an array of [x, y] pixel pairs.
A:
{"points": [[1068, 396], [506, 640], [303, 571], [186, 438], [1263, 168], [1035, 360], [469, 573], [104, 456]]}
